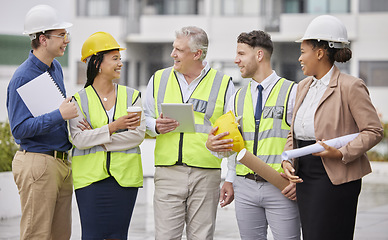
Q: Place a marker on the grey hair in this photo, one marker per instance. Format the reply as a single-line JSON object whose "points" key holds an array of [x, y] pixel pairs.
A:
{"points": [[197, 39]]}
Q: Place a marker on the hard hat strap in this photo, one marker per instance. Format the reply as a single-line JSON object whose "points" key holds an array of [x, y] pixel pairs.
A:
{"points": [[32, 36], [336, 44]]}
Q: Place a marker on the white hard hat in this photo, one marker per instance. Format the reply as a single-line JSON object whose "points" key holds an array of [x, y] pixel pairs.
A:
{"points": [[327, 28], [42, 18]]}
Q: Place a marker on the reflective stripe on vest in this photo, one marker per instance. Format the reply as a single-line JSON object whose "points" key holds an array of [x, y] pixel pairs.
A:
{"points": [[208, 101], [198, 105], [84, 100], [273, 129], [94, 164]]}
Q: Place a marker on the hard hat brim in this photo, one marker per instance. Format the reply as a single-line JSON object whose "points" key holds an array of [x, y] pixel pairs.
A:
{"points": [[120, 49], [63, 25], [322, 39]]}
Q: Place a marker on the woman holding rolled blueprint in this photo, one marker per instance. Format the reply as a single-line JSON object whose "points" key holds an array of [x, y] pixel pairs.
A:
{"points": [[329, 104]]}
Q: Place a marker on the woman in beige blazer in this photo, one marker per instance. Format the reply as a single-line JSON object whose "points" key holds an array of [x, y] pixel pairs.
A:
{"points": [[330, 104]]}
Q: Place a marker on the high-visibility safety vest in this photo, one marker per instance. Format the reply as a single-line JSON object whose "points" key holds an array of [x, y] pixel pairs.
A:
{"points": [[208, 101], [95, 164], [267, 140]]}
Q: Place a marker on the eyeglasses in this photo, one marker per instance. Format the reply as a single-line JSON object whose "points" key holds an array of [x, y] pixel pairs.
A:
{"points": [[66, 36]]}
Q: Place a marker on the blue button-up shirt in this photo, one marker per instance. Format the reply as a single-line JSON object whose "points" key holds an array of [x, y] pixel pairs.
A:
{"points": [[36, 134]]}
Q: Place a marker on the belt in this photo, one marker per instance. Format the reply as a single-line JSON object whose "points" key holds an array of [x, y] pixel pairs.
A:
{"points": [[56, 154], [253, 176]]}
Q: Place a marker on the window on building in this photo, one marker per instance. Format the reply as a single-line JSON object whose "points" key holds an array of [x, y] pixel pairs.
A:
{"points": [[14, 50], [236, 7], [172, 7], [270, 12], [316, 6], [100, 8], [374, 73], [293, 6], [373, 5]]}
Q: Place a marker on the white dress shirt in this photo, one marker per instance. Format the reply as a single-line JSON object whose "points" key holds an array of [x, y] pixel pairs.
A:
{"points": [[186, 89], [267, 84], [304, 118]]}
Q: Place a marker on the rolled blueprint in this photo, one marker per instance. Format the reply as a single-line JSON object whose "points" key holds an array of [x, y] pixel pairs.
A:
{"points": [[315, 148], [261, 168]]}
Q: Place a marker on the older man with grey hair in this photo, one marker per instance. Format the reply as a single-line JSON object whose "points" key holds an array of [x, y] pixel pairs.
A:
{"points": [[187, 175]]}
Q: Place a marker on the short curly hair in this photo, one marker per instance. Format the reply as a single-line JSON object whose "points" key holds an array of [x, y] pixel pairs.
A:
{"points": [[257, 38]]}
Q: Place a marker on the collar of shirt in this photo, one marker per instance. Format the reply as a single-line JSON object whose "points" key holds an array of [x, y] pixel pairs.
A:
{"points": [[42, 66], [182, 80], [188, 89], [267, 84], [324, 80]]}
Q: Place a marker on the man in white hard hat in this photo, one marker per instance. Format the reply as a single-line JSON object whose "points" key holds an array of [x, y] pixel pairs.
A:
{"points": [[265, 105], [41, 169]]}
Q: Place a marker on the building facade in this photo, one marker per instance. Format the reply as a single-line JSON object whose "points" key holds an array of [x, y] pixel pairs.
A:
{"points": [[147, 29]]}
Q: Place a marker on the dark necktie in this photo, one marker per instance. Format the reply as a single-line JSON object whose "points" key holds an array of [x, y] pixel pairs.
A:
{"points": [[259, 104]]}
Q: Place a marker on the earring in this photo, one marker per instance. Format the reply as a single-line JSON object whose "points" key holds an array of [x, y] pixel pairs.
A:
{"points": [[99, 70]]}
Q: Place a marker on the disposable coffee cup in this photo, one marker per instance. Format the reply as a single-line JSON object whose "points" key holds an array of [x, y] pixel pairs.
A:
{"points": [[137, 110]]}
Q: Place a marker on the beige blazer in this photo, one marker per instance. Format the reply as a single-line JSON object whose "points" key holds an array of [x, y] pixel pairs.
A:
{"points": [[345, 108], [101, 136]]}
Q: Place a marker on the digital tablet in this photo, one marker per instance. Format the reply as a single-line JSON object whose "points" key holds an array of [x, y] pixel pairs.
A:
{"points": [[181, 112]]}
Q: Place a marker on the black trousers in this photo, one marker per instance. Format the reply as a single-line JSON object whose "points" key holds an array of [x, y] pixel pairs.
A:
{"points": [[327, 211]]}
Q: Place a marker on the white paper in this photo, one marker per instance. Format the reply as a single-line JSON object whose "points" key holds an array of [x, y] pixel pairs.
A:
{"points": [[315, 148], [41, 95]]}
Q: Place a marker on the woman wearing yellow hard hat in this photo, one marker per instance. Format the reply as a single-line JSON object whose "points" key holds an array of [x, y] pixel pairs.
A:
{"points": [[330, 104], [106, 163]]}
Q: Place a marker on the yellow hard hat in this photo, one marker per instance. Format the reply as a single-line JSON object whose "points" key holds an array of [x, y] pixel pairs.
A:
{"points": [[98, 42], [227, 123]]}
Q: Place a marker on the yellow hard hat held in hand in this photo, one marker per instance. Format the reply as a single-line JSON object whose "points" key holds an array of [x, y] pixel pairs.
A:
{"points": [[228, 123]]}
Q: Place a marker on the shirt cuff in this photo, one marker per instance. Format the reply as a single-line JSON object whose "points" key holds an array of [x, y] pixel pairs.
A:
{"points": [[230, 176], [150, 130], [220, 154], [56, 116]]}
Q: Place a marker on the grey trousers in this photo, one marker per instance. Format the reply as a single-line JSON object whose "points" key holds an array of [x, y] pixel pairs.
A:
{"points": [[259, 205]]}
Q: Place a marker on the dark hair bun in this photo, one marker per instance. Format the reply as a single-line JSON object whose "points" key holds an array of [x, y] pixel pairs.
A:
{"points": [[343, 55]]}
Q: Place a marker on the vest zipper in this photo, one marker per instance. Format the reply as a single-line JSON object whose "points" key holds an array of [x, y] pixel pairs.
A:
{"points": [[108, 163], [180, 153], [255, 140]]}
